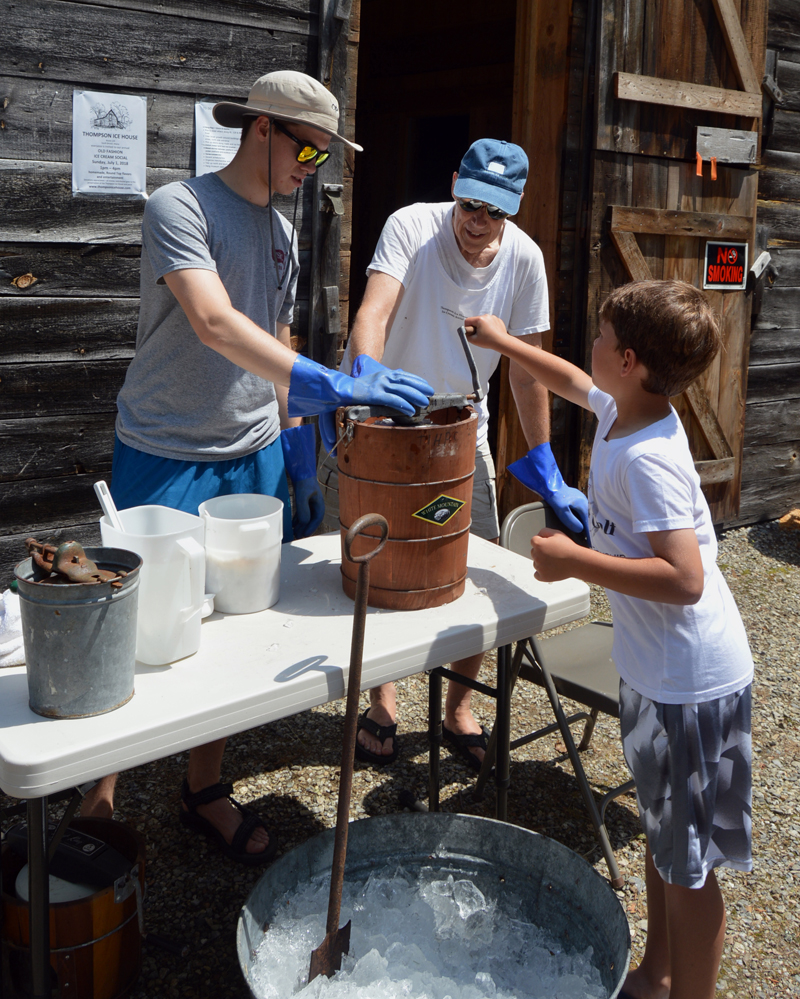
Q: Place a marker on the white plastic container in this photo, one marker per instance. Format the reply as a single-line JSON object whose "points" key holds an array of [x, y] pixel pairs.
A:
{"points": [[171, 588], [243, 551]]}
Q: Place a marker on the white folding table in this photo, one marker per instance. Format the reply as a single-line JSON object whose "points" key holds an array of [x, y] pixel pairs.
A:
{"points": [[255, 668]]}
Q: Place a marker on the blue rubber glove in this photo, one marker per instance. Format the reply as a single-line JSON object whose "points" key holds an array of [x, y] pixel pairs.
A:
{"points": [[366, 365], [299, 457], [327, 431], [363, 365], [538, 471], [313, 388]]}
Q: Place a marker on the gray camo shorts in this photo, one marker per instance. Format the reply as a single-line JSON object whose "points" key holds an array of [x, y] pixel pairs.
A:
{"points": [[693, 773]]}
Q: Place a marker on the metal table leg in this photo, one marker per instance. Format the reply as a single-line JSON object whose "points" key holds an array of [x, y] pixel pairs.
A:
{"points": [[434, 737], [503, 727], [39, 897]]}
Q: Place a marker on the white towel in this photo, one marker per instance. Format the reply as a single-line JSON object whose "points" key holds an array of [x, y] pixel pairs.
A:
{"points": [[12, 650]]}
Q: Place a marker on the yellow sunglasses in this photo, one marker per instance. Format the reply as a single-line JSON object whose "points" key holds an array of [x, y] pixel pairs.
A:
{"points": [[308, 153]]}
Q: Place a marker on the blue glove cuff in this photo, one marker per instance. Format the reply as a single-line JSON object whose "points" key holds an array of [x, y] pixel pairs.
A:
{"points": [[313, 388], [538, 471], [300, 452], [327, 432]]}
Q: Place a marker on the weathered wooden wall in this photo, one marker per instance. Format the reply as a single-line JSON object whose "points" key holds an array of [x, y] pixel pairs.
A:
{"points": [[67, 338], [644, 194], [771, 466]]}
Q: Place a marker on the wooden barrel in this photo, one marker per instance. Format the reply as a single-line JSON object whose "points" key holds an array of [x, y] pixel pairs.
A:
{"points": [[95, 943], [420, 479]]}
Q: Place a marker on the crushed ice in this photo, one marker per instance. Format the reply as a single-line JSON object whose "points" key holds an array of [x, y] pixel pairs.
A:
{"points": [[417, 938]]}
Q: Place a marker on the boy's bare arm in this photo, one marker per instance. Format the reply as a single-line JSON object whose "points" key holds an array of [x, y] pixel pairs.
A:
{"points": [[674, 575], [559, 376]]}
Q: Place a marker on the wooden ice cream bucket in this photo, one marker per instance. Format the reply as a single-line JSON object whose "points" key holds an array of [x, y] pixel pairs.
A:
{"points": [[95, 942], [420, 479]]}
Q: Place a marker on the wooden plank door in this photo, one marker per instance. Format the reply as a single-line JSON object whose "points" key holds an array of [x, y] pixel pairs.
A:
{"points": [[667, 69]]}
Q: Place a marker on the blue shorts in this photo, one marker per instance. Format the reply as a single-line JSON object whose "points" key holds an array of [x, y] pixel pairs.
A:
{"points": [[138, 478]]}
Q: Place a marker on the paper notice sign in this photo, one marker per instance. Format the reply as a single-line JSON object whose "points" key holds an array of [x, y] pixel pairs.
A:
{"points": [[215, 146], [109, 144]]}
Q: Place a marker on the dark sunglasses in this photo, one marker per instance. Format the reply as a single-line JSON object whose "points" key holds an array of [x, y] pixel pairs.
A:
{"points": [[308, 153], [469, 205]]}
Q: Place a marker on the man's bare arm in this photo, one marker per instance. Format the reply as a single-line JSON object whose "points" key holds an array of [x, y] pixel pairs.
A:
{"points": [[531, 398], [202, 296], [375, 315]]}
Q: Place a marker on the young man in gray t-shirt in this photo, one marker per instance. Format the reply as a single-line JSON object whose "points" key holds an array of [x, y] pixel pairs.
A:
{"points": [[213, 398]]}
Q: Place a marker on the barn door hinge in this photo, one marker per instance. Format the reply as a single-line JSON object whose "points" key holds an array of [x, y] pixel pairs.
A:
{"points": [[331, 200], [333, 316], [760, 264], [342, 12], [770, 87]]}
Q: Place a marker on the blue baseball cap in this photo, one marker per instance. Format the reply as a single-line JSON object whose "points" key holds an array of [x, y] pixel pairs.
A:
{"points": [[494, 172]]}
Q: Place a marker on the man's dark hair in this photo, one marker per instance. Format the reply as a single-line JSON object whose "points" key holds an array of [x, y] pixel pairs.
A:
{"points": [[671, 328], [247, 124]]}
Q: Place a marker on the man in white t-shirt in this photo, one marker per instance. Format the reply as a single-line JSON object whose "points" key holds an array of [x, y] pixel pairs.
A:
{"points": [[434, 265]]}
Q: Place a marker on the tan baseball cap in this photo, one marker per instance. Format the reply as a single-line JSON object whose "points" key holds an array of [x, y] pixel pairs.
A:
{"points": [[288, 96]]}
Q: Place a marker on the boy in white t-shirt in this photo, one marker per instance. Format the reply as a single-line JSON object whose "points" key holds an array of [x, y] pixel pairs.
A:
{"points": [[679, 643]]}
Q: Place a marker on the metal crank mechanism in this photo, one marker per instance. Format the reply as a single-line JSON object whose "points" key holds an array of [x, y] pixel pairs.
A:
{"points": [[439, 400]]}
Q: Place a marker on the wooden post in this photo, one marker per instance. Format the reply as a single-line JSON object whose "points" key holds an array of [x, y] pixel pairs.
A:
{"points": [[324, 311], [538, 122]]}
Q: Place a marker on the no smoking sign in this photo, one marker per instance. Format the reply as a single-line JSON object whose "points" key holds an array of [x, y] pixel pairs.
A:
{"points": [[725, 266]]}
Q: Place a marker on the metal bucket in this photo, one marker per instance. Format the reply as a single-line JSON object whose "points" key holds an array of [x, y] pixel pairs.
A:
{"points": [[529, 876], [80, 638]]}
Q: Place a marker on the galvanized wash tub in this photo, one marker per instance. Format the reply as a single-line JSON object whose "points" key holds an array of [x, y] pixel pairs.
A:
{"points": [[550, 885]]}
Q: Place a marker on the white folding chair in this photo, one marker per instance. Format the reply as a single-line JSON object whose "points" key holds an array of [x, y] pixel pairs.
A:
{"points": [[577, 665]]}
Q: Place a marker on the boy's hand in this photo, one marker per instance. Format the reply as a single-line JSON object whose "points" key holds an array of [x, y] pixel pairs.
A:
{"points": [[552, 554], [487, 331]]}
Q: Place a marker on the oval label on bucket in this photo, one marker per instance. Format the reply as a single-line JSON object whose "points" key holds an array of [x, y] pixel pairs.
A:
{"points": [[440, 510]]}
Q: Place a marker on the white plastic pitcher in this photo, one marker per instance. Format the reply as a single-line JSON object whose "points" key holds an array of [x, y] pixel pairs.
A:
{"points": [[171, 588], [243, 551]]}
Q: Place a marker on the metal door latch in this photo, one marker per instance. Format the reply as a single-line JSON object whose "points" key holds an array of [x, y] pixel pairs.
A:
{"points": [[333, 194]]}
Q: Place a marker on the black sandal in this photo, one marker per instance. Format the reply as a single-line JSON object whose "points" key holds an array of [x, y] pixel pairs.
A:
{"points": [[460, 745], [382, 733], [237, 848]]}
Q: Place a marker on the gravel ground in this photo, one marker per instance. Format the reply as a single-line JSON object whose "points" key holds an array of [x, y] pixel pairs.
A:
{"points": [[289, 769]]}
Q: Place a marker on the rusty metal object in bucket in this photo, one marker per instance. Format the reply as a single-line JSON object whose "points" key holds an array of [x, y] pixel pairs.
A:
{"points": [[327, 958], [68, 563]]}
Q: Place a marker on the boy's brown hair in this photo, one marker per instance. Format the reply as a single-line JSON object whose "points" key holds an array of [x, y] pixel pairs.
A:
{"points": [[671, 328]]}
